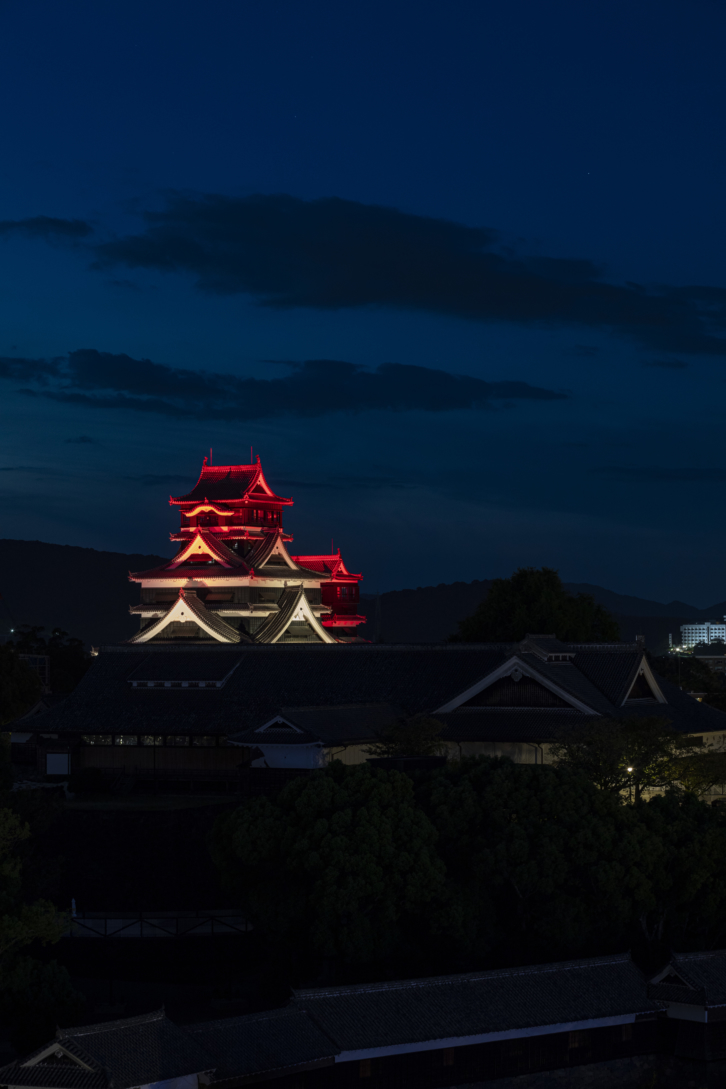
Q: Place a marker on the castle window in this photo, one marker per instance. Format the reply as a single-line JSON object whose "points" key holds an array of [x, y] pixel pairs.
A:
{"points": [[364, 1069], [177, 740], [204, 741], [448, 1056], [152, 739], [96, 739], [626, 1032], [126, 739]]}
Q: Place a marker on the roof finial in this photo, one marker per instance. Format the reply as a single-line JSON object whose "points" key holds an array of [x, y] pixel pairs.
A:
{"points": [[204, 462]]}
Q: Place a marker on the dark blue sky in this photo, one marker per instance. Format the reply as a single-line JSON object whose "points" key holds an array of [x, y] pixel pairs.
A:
{"points": [[455, 270]]}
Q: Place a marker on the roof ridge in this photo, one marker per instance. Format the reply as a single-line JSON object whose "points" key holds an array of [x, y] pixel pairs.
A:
{"points": [[466, 977], [106, 1026]]}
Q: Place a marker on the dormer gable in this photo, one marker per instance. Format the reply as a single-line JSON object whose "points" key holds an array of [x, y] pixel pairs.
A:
{"points": [[503, 684], [644, 688], [56, 1054], [278, 724]]}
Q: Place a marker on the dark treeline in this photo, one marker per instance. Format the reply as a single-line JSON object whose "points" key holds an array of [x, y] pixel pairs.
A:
{"points": [[360, 872]]}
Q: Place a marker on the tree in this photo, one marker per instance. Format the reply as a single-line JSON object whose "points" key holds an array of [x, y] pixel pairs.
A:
{"points": [[679, 901], [634, 755], [19, 685], [687, 672], [68, 659], [417, 735], [33, 995], [340, 863], [534, 600]]}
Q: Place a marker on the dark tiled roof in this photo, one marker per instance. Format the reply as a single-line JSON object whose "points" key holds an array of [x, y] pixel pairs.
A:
{"points": [[388, 1014], [163, 666], [270, 677], [672, 992], [139, 1050], [221, 482], [276, 623], [611, 674], [263, 1042], [350, 722], [567, 676], [52, 1076], [705, 972]]}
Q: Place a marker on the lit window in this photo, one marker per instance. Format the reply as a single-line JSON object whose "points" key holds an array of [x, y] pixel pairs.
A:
{"points": [[96, 739], [206, 742], [152, 739], [126, 739], [178, 739]]}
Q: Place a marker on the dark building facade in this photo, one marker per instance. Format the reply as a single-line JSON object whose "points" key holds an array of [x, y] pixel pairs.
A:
{"points": [[596, 1022], [206, 713]]}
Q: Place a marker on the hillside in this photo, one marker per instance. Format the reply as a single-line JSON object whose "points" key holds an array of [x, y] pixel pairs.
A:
{"points": [[87, 593], [83, 591]]}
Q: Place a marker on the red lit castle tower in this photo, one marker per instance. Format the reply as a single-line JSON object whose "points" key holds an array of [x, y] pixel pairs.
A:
{"points": [[233, 579]]}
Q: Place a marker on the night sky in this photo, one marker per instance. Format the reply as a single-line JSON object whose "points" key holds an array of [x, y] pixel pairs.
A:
{"points": [[455, 271]]}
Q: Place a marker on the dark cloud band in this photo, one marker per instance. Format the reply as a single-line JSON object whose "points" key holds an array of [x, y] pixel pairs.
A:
{"points": [[46, 227], [329, 254], [310, 389]]}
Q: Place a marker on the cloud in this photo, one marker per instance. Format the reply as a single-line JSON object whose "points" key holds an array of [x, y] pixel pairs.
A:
{"points": [[313, 388], [330, 254], [39, 371], [657, 474], [46, 227], [666, 364], [84, 439]]}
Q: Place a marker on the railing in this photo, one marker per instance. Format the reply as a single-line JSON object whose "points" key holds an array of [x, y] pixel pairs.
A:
{"points": [[156, 924]]}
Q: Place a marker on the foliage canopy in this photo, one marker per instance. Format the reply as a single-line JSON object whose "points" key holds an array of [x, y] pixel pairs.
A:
{"points": [[637, 754], [482, 861], [534, 600]]}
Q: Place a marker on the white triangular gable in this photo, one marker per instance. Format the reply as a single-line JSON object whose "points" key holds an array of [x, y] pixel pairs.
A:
{"points": [[669, 970], [645, 671], [511, 666], [198, 546], [295, 608], [56, 1050], [184, 612], [279, 549]]}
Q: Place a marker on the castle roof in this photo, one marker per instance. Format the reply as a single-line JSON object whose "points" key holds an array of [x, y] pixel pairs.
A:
{"points": [[331, 564], [230, 482]]}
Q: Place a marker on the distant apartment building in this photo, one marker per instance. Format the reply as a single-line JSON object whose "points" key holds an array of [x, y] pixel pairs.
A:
{"points": [[705, 631]]}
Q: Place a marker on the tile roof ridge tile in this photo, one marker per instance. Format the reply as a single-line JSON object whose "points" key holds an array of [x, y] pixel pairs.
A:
{"points": [[466, 977], [112, 1026]]}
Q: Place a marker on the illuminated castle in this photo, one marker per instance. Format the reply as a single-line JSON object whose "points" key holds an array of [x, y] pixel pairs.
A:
{"points": [[233, 579]]}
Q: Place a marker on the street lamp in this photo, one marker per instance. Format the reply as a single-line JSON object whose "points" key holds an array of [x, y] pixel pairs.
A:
{"points": [[631, 785]]}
